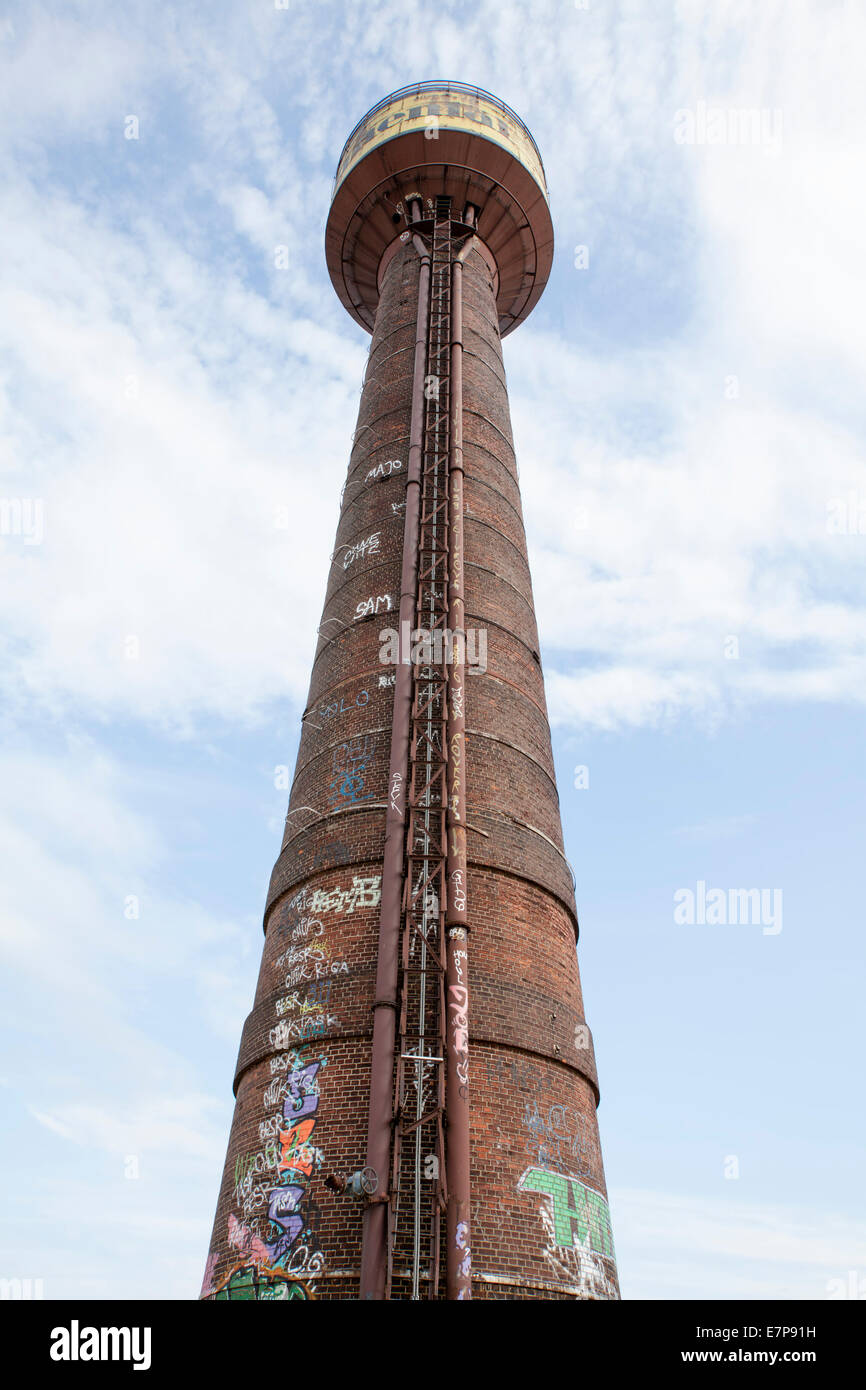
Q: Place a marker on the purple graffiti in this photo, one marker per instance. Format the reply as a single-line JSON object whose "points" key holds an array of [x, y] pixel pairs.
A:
{"points": [[282, 1210], [303, 1098], [298, 1157]]}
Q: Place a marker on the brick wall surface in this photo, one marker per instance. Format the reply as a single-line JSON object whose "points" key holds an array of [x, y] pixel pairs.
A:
{"points": [[540, 1227]]}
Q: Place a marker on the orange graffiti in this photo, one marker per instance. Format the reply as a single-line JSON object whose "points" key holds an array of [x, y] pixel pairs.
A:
{"points": [[296, 1152]]}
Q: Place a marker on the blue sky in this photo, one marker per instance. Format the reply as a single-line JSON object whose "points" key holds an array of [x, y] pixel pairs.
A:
{"points": [[175, 420]]}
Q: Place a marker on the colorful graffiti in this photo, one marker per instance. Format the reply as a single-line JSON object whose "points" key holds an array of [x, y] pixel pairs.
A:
{"points": [[458, 1005], [250, 1283], [209, 1273], [577, 1210], [248, 1245], [465, 1267], [297, 1160], [275, 1241], [273, 1232], [576, 1220]]}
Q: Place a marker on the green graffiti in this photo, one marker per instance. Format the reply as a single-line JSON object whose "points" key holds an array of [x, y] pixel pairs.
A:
{"points": [[249, 1284], [256, 1162], [577, 1210]]}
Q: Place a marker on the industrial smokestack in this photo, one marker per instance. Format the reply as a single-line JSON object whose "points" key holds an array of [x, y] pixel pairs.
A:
{"points": [[418, 1021]]}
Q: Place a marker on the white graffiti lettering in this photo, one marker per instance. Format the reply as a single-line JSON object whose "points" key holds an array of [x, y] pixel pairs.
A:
{"points": [[369, 546], [368, 607], [384, 470]]}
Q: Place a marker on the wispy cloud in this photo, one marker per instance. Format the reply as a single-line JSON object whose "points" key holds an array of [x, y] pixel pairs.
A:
{"points": [[701, 410], [676, 1247], [721, 829], [182, 409]]}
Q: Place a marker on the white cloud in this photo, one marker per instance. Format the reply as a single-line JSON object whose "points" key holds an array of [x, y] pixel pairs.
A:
{"points": [[703, 515], [670, 1246], [73, 851], [164, 389], [120, 1024], [179, 1126], [722, 828], [184, 411]]}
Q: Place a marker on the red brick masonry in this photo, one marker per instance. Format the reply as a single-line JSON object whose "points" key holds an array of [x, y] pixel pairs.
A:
{"points": [[540, 1223]]}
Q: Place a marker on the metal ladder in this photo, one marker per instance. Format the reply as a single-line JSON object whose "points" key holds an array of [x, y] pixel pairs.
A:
{"points": [[418, 1191]]}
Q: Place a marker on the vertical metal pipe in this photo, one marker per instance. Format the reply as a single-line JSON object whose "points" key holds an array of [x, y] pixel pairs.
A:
{"points": [[458, 1239], [374, 1252]]}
